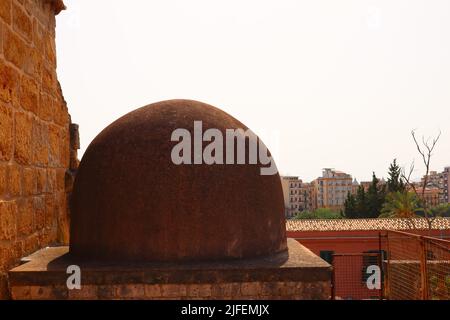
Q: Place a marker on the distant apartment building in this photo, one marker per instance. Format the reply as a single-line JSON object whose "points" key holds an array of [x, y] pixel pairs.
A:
{"points": [[366, 184], [439, 180], [355, 186], [291, 192], [446, 185], [432, 196], [434, 178], [298, 195], [332, 189], [310, 193]]}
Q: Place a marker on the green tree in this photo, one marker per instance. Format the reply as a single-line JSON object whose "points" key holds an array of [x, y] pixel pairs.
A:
{"points": [[350, 211], [401, 205], [321, 213], [375, 198], [395, 182], [361, 203], [325, 213], [442, 210]]}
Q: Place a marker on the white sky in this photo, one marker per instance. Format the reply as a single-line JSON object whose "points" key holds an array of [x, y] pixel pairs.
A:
{"points": [[325, 83]]}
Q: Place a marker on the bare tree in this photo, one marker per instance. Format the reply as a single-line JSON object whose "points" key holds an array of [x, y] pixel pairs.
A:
{"points": [[425, 149]]}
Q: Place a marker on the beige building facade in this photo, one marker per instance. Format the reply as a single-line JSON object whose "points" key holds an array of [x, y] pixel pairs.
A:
{"points": [[298, 195], [332, 189], [439, 180]]}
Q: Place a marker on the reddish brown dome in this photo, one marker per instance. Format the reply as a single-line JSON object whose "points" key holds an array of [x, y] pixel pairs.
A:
{"points": [[132, 203]]}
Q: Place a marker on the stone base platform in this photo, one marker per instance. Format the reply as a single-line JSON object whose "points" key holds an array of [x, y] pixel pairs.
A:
{"points": [[296, 274]]}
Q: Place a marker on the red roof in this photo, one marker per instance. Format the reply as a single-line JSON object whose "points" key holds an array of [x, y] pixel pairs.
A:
{"points": [[365, 224]]}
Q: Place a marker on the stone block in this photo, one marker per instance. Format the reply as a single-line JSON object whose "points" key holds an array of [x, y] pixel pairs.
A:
{"points": [[50, 211], [14, 180], [41, 180], [9, 83], [46, 19], [60, 179], [45, 107], [152, 291], [48, 292], [269, 288], [23, 138], [106, 292], [51, 180], [25, 224], [8, 213], [30, 244], [38, 36], [6, 132], [226, 290], [54, 145], [173, 290], [5, 11], [39, 208], [21, 293], [35, 63], [3, 179], [50, 50], [40, 143], [4, 290], [87, 292], [64, 150], [289, 289], [29, 182], [29, 94], [16, 51], [48, 79], [60, 113], [22, 22], [130, 291], [1, 36], [10, 252], [199, 290], [251, 288]]}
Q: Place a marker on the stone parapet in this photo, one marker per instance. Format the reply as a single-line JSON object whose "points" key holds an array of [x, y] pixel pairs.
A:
{"points": [[296, 274]]}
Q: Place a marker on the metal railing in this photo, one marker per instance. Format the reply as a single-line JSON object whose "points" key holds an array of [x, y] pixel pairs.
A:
{"points": [[417, 267]]}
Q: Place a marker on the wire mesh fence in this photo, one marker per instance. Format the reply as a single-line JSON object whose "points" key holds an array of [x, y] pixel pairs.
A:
{"points": [[406, 267], [357, 276], [417, 267]]}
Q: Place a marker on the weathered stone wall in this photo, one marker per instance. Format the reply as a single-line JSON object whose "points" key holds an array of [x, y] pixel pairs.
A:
{"points": [[319, 290], [34, 134]]}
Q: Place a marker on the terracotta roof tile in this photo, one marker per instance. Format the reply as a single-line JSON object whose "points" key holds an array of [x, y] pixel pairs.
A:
{"points": [[365, 224]]}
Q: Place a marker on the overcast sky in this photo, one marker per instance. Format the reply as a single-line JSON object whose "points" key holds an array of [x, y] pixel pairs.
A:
{"points": [[325, 83]]}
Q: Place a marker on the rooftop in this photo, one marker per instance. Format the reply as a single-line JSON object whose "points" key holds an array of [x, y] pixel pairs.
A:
{"points": [[365, 224]]}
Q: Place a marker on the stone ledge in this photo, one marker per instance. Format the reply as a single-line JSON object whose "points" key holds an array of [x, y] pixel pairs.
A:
{"points": [[49, 265], [297, 273]]}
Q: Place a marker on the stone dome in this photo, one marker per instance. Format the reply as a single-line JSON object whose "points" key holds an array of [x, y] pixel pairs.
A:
{"points": [[131, 203]]}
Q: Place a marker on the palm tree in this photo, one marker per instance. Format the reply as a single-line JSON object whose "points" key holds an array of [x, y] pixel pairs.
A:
{"points": [[401, 205]]}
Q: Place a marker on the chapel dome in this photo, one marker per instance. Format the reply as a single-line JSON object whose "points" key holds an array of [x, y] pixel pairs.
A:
{"points": [[131, 202]]}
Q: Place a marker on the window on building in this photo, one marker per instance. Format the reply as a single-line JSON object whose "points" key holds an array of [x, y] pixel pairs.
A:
{"points": [[327, 255]]}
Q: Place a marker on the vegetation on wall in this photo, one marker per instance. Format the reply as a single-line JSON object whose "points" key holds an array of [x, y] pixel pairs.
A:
{"points": [[322, 213]]}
